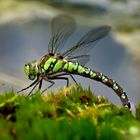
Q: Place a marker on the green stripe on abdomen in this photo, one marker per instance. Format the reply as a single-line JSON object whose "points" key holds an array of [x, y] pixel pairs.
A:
{"points": [[76, 68], [70, 66]]}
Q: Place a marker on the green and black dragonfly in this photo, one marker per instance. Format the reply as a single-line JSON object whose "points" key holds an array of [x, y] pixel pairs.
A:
{"points": [[55, 65]]}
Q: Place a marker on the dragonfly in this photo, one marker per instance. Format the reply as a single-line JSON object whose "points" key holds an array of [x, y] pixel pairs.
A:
{"points": [[57, 65]]}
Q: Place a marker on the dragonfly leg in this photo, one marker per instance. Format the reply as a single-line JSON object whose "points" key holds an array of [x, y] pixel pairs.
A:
{"points": [[62, 78], [52, 83], [73, 79], [56, 76], [33, 88], [40, 84], [28, 86]]}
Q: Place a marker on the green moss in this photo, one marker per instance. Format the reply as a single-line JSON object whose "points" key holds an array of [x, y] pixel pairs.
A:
{"points": [[138, 112], [71, 113]]}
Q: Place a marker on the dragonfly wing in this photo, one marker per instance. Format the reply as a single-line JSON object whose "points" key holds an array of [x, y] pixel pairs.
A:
{"points": [[81, 59], [62, 27], [88, 41]]}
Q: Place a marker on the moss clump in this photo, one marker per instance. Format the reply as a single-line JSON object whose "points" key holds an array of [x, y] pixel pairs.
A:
{"points": [[138, 112], [70, 113]]}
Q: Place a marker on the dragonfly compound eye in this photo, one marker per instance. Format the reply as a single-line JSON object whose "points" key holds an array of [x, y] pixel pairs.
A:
{"points": [[27, 69]]}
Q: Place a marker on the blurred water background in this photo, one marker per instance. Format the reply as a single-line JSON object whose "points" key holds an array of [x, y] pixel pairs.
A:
{"points": [[25, 33]]}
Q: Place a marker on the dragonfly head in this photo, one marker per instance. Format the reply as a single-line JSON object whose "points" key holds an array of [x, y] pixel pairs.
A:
{"points": [[31, 70]]}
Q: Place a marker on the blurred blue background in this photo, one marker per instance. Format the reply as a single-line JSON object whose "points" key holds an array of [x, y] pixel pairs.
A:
{"points": [[25, 31]]}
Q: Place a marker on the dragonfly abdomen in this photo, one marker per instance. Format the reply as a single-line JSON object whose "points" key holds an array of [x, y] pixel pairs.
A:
{"points": [[76, 68], [112, 84]]}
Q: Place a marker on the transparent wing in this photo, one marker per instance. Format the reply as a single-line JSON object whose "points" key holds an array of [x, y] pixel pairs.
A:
{"points": [[62, 27], [81, 59], [88, 41]]}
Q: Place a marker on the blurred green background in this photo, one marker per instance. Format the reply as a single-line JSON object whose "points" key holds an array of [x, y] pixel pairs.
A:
{"points": [[25, 33]]}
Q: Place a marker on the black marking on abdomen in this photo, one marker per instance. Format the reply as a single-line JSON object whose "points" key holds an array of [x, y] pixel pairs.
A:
{"points": [[112, 84], [106, 81]]}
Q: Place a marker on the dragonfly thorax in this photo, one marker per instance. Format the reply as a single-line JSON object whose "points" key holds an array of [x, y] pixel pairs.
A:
{"points": [[31, 70]]}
